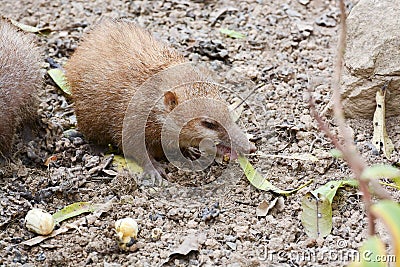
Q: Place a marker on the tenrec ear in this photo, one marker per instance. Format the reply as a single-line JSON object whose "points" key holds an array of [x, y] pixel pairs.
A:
{"points": [[170, 100]]}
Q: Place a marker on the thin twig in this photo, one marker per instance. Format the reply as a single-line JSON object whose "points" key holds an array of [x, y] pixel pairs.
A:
{"points": [[348, 149], [251, 93], [353, 158], [322, 125]]}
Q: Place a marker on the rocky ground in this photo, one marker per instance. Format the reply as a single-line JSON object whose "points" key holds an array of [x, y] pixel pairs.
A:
{"points": [[289, 46]]}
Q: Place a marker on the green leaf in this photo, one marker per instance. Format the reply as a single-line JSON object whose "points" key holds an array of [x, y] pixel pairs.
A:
{"points": [[28, 28], [336, 153], [381, 171], [352, 182], [317, 215], [59, 78], [232, 34], [317, 208], [389, 212], [73, 210], [259, 182], [329, 189], [371, 254]]}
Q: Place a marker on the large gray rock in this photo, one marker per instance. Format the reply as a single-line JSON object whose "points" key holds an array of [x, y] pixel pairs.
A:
{"points": [[372, 57]]}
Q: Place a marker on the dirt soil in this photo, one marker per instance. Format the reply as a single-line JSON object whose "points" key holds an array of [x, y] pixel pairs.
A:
{"points": [[290, 45]]}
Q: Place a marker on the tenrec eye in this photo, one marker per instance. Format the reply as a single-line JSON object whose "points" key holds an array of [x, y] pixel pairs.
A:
{"points": [[209, 124]]}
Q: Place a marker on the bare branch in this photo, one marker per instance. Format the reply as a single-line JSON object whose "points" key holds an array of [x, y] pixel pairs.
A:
{"points": [[347, 147]]}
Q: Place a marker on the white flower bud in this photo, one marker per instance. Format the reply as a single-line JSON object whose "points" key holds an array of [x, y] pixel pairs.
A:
{"points": [[156, 234], [127, 230], [39, 221]]}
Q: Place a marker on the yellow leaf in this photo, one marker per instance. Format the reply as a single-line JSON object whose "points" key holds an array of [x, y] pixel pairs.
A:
{"points": [[236, 109], [296, 156], [28, 28], [389, 212], [259, 182], [381, 140], [123, 163]]}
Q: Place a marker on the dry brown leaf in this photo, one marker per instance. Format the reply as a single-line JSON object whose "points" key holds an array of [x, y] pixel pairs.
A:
{"points": [[236, 109], [49, 160], [264, 207], [191, 243]]}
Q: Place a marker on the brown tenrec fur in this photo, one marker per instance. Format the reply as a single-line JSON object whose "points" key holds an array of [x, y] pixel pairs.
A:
{"points": [[106, 71], [20, 80]]}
